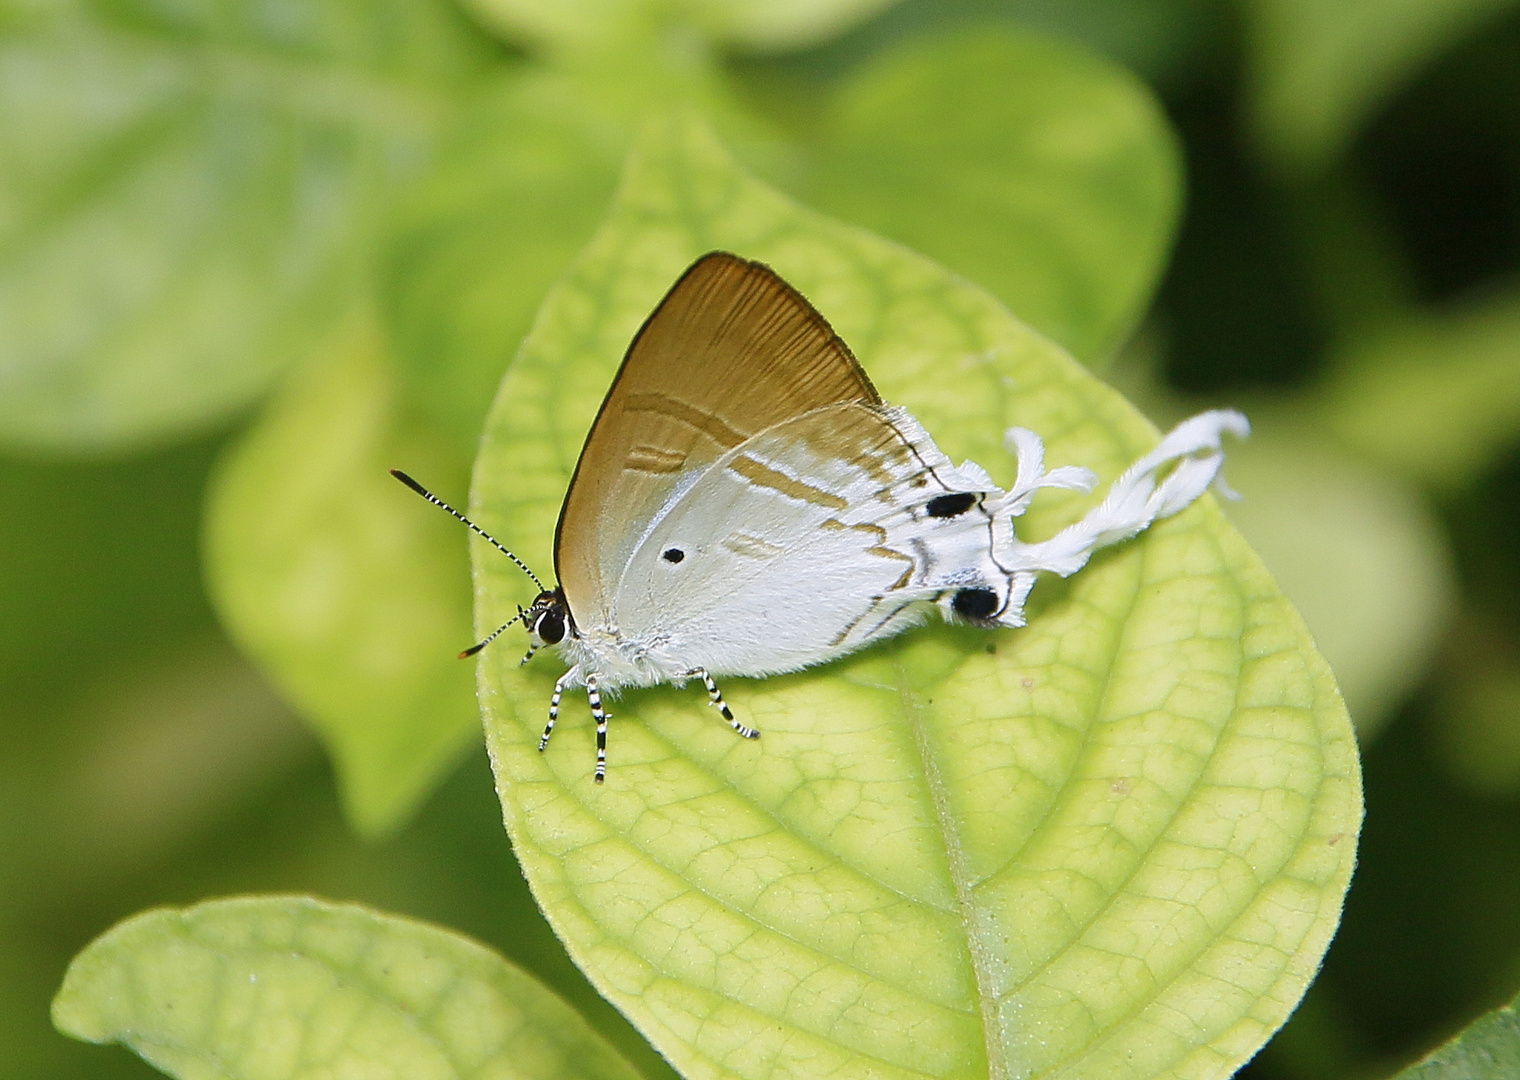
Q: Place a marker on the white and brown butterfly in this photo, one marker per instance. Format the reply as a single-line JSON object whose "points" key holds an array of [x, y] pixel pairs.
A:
{"points": [[746, 504]]}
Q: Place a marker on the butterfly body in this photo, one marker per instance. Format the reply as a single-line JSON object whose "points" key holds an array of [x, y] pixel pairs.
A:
{"points": [[746, 504]]}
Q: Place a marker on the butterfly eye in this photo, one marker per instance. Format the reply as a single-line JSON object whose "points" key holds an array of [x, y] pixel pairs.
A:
{"points": [[550, 627], [673, 555], [975, 603], [946, 506]]}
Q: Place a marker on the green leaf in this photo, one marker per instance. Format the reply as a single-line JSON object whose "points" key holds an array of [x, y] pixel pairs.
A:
{"points": [[781, 24], [186, 195], [1474, 736], [763, 24], [1079, 160], [1435, 395], [1112, 844], [345, 587], [1357, 551], [272, 987], [1319, 70], [1036, 169], [514, 196], [1489, 1048]]}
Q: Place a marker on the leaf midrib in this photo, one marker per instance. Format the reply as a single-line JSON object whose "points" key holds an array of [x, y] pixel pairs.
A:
{"points": [[960, 876]]}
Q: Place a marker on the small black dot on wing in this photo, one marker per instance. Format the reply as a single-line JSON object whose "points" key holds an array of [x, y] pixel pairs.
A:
{"points": [[975, 603], [673, 555], [952, 505]]}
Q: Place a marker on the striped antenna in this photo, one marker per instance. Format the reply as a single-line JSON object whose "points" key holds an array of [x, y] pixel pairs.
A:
{"points": [[520, 617], [436, 501]]}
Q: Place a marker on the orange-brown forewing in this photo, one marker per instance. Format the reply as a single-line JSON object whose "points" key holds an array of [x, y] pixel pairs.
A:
{"points": [[731, 351]]}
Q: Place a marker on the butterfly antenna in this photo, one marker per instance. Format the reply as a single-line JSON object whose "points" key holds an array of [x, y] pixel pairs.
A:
{"points": [[436, 501], [494, 634]]}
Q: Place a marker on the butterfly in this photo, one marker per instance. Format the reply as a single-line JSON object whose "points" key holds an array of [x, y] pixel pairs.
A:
{"points": [[745, 504]]}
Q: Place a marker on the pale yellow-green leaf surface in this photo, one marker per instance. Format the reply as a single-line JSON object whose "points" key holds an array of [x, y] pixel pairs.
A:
{"points": [[1112, 844], [290, 988]]}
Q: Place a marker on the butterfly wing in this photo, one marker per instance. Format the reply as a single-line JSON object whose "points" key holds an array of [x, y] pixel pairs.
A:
{"points": [[804, 543], [731, 351]]}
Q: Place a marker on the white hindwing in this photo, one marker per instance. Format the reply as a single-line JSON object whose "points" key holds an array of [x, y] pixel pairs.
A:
{"points": [[799, 545]]}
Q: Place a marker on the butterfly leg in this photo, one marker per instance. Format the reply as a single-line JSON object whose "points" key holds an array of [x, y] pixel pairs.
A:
{"points": [[600, 716], [532, 651], [715, 697], [559, 692]]}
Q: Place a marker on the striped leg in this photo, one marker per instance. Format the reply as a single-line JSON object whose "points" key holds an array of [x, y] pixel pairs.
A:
{"points": [[559, 692], [532, 649], [600, 716], [715, 697]]}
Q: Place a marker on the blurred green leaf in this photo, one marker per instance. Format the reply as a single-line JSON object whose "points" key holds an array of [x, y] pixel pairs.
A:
{"points": [[567, 25], [1435, 395], [781, 24], [1319, 69], [65, 594], [273, 987], [512, 199], [1079, 161], [1357, 552], [158, 754], [1113, 844], [1473, 730], [347, 589], [1160, 40], [1488, 1049], [514, 195], [186, 194], [1040, 171]]}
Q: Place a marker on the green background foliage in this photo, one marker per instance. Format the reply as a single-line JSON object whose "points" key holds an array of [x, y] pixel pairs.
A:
{"points": [[275, 986], [1488, 1047], [252, 253]]}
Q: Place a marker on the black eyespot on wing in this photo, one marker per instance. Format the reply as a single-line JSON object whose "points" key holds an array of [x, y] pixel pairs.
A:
{"points": [[975, 603], [550, 627], [673, 555], [948, 506]]}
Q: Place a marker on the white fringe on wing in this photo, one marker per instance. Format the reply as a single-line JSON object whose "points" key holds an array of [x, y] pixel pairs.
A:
{"points": [[1189, 457]]}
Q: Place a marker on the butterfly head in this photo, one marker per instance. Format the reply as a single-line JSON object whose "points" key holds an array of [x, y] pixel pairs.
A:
{"points": [[548, 619]]}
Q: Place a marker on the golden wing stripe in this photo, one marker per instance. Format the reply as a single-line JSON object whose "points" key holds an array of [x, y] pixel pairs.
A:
{"points": [[762, 475], [654, 460], [676, 409]]}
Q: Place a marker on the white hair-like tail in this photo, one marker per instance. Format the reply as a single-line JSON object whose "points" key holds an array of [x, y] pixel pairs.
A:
{"points": [[1160, 484]]}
